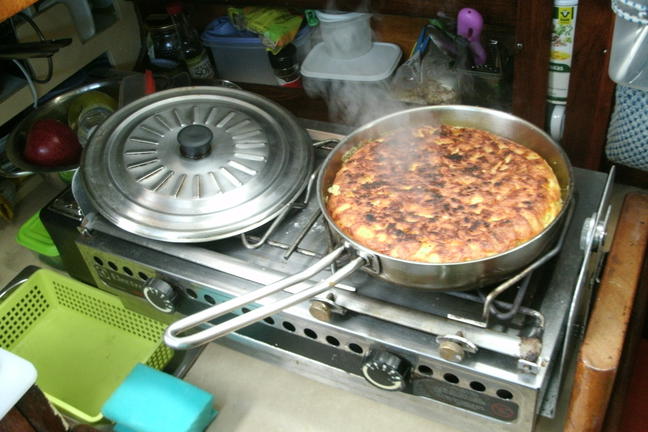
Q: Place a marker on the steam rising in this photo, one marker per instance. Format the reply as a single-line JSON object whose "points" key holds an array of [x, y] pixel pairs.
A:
{"points": [[354, 102]]}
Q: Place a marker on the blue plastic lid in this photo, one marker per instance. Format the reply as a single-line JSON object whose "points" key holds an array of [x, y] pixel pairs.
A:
{"points": [[222, 30]]}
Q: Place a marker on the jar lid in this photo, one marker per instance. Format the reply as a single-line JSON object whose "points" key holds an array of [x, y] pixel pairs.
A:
{"points": [[174, 8], [196, 164]]}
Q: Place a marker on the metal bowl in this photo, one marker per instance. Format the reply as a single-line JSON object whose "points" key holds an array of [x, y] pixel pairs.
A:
{"points": [[55, 108]]}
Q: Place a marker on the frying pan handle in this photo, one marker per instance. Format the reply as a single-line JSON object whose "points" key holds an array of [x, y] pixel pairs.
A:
{"points": [[173, 340]]}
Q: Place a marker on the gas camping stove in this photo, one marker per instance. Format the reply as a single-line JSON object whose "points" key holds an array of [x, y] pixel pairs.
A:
{"points": [[492, 358]]}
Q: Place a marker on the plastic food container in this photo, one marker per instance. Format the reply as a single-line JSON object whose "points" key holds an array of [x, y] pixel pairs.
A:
{"points": [[345, 35], [240, 56], [34, 236], [373, 68], [82, 341]]}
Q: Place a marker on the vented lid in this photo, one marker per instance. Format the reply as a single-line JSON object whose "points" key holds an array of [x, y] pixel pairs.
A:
{"points": [[196, 164]]}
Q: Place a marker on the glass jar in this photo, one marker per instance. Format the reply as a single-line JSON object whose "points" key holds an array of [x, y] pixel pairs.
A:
{"points": [[285, 67], [162, 45]]}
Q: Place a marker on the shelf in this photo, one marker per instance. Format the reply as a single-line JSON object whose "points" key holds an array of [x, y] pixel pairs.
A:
{"points": [[117, 35]]}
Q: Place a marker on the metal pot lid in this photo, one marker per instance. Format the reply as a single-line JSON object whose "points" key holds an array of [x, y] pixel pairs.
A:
{"points": [[195, 164]]}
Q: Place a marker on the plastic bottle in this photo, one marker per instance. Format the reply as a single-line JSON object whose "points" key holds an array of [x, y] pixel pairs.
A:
{"points": [[192, 51], [285, 68], [562, 45]]}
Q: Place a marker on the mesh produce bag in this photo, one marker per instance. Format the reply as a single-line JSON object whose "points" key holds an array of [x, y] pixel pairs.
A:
{"points": [[627, 139]]}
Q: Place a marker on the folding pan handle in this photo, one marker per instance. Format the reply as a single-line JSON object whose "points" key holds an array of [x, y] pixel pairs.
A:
{"points": [[173, 340]]}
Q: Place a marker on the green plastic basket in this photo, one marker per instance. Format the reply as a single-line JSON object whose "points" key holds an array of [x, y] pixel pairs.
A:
{"points": [[82, 341]]}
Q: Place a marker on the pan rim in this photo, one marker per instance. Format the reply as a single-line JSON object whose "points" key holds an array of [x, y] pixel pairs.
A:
{"points": [[567, 190]]}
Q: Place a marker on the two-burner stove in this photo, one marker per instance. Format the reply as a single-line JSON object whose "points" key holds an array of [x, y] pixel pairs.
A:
{"points": [[470, 358]]}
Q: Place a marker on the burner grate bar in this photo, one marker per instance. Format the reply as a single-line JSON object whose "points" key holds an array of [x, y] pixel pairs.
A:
{"points": [[513, 346]]}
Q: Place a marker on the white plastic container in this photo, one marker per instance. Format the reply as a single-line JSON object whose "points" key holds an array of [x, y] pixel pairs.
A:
{"points": [[374, 67], [17, 375], [345, 35], [629, 54], [357, 90]]}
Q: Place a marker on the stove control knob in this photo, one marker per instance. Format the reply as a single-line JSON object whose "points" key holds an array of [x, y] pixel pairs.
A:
{"points": [[385, 370], [160, 294]]}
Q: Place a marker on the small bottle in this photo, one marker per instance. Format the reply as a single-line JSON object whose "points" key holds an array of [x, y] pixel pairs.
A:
{"points": [[162, 46], [285, 68], [192, 51]]}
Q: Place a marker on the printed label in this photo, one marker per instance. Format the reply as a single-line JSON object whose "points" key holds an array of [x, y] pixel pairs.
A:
{"points": [[200, 67], [565, 15], [296, 83], [562, 44], [120, 281], [467, 399]]}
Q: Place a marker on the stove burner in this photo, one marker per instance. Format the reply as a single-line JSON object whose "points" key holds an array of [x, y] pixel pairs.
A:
{"points": [[437, 350]]}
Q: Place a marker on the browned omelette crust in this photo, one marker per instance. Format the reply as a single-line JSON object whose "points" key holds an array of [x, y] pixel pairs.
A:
{"points": [[443, 195]]}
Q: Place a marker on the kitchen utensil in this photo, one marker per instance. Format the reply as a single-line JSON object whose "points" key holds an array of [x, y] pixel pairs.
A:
{"points": [[81, 15], [470, 273], [469, 25], [483, 84], [493, 62], [428, 276], [195, 164], [27, 50], [82, 341], [56, 108]]}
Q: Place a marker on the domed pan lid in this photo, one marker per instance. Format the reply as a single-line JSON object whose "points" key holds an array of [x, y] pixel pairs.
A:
{"points": [[196, 164]]}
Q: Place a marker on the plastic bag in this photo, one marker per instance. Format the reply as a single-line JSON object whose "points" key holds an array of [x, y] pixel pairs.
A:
{"points": [[429, 75], [275, 26]]}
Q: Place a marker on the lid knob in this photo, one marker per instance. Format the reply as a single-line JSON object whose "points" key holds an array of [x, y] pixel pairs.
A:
{"points": [[195, 141]]}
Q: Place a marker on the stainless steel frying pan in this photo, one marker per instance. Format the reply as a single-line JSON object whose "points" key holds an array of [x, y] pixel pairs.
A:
{"points": [[429, 276]]}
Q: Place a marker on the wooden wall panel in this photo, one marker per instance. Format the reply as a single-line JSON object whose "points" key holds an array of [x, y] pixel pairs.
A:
{"points": [[500, 12], [531, 65], [591, 92]]}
